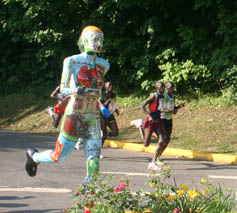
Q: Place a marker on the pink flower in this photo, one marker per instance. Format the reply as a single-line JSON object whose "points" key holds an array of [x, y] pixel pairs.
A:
{"points": [[120, 187], [175, 210], [87, 211], [76, 193], [116, 190]]}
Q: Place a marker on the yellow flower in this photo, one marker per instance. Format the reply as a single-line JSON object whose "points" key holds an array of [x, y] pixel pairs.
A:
{"points": [[203, 180], [171, 197], [198, 210], [184, 187], [204, 192], [179, 192], [193, 193], [151, 184]]}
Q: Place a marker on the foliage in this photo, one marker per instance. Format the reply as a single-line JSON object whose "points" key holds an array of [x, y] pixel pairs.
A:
{"points": [[101, 196], [187, 76], [37, 36], [230, 81], [129, 101]]}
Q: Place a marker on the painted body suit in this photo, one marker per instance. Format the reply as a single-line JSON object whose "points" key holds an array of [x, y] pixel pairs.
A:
{"points": [[81, 118]]}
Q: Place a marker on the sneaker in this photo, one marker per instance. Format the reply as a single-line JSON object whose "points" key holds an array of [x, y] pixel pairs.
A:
{"points": [[78, 145], [31, 166], [137, 123], [159, 162], [153, 167], [101, 156], [49, 111]]}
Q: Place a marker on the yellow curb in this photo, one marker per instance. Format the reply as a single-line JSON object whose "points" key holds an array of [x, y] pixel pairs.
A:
{"points": [[174, 152], [151, 149]]}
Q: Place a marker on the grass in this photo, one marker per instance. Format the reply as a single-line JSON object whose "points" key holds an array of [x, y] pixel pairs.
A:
{"points": [[205, 124]]}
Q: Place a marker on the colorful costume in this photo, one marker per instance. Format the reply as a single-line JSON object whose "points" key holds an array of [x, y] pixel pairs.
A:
{"points": [[82, 80]]}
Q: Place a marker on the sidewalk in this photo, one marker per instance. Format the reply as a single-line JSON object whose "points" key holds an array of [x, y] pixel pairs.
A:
{"points": [[217, 158]]}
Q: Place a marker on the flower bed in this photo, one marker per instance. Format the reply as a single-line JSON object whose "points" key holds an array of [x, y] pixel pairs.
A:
{"points": [[102, 197]]}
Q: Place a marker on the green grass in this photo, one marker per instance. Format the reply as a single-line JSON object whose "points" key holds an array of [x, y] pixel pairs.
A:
{"points": [[205, 124]]}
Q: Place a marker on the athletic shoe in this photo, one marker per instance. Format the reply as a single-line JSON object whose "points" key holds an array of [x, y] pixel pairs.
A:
{"points": [[153, 166], [50, 111], [137, 123], [78, 144], [31, 166]]}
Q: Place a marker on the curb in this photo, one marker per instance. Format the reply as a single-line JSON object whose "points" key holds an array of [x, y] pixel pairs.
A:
{"points": [[174, 152]]}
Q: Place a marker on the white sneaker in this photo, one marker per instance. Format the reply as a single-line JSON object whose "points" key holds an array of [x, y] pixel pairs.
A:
{"points": [[49, 111], [78, 144], [137, 123], [153, 167]]}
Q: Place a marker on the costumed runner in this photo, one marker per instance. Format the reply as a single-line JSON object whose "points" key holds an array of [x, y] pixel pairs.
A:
{"points": [[82, 80]]}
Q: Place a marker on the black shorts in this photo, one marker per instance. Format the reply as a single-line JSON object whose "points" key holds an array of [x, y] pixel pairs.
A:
{"points": [[167, 124], [109, 119]]}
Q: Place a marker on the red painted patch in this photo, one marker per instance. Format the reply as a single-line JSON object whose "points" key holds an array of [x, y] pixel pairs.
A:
{"points": [[56, 153], [70, 125]]}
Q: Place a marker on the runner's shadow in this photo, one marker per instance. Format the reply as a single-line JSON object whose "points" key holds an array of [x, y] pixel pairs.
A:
{"points": [[38, 211], [14, 198], [19, 205], [12, 205]]}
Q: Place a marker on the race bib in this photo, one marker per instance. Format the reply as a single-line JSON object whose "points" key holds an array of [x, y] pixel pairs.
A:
{"points": [[161, 104]]}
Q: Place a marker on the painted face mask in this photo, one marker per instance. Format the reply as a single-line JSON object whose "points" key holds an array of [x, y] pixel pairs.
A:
{"points": [[91, 39]]}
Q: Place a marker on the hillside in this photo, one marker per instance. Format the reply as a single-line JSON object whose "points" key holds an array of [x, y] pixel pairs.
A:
{"points": [[202, 125]]}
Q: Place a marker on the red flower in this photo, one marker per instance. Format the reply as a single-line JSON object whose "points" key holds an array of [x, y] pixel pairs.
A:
{"points": [[120, 187]]}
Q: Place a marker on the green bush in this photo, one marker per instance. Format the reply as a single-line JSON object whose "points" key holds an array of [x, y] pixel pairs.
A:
{"points": [[229, 79], [37, 36]]}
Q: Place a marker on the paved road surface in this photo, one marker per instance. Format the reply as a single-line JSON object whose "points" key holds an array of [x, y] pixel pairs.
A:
{"points": [[51, 190]]}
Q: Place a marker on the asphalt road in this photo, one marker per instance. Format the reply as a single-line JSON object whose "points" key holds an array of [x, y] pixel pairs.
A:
{"points": [[51, 190]]}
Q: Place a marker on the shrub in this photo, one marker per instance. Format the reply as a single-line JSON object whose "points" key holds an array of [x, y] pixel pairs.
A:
{"points": [[101, 196]]}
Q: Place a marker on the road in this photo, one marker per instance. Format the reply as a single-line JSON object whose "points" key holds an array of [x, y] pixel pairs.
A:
{"points": [[51, 190]]}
